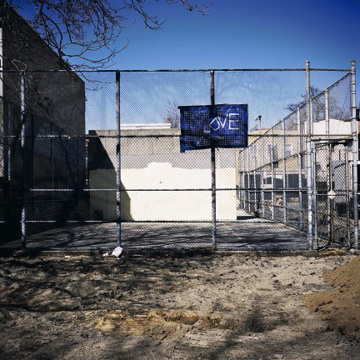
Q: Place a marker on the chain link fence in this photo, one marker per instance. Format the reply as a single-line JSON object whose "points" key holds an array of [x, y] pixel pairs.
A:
{"points": [[302, 171], [91, 160]]}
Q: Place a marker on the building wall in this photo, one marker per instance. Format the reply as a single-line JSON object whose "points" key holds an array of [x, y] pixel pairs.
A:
{"points": [[54, 105], [158, 182], [55, 101]]}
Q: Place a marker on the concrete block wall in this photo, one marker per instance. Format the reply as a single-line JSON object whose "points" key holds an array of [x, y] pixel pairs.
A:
{"points": [[158, 182]]}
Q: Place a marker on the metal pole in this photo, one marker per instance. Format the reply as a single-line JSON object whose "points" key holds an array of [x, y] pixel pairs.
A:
{"points": [[284, 204], [348, 184], [331, 201], [314, 193], [243, 193], [327, 117], [355, 149], [308, 159], [118, 158], [238, 181], [248, 182], [9, 141], [254, 182], [240, 188], [242, 177], [23, 156], [87, 162], [9, 155], [300, 149], [327, 131], [213, 168], [262, 198], [52, 170], [272, 159]]}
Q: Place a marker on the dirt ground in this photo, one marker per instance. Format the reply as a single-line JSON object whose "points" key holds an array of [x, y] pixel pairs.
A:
{"points": [[193, 306]]}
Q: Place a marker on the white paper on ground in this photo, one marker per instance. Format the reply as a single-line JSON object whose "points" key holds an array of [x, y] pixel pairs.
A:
{"points": [[117, 251]]}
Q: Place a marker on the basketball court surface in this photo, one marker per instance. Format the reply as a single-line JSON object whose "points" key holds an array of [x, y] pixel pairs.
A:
{"points": [[246, 234]]}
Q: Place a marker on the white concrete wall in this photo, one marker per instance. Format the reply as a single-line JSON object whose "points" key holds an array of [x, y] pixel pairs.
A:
{"points": [[178, 205], [103, 203], [336, 127], [164, 205], [151, 163]]}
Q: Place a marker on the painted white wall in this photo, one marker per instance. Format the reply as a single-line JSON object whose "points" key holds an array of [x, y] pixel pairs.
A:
{"points": [[150, 162], [336, 127], [187, 205]]}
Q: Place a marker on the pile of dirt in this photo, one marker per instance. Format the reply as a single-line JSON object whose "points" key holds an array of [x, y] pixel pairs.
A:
{"points": [[156, 323], [163, 323], [340, 305]]}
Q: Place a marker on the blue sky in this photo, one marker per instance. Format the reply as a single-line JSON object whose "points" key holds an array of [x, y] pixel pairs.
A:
{"points": [[235, 34], [247, 34]]}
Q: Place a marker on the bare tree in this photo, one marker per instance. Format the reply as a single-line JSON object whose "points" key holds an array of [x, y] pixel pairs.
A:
{"points": [[336, 110], [172, 114], [88, 29], [313, 92]]}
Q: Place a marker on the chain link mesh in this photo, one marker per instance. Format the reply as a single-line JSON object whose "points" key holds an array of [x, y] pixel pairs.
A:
{"points": [[62, 159], [278, 159]]}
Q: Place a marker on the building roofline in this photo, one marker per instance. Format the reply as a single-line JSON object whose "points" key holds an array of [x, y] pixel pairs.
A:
{"points": [[4, 6]]}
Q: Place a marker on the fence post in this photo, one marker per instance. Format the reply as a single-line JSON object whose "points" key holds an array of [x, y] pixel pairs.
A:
{"points": [[308, 159], [300, 155], [284, 202], [248, 184], [254, 181], [314, 193], [118, 160], [331, 201], [272, 159], [348, 204], [242, 179], [355, 149], [327, 117], [243, 183], [261, 154], [329, 188], [213, 169], [9, 142], [23, 157]]}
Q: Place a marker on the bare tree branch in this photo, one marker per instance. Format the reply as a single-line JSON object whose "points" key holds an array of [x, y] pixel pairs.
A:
{"points": [[87, 30], [313, 92]]}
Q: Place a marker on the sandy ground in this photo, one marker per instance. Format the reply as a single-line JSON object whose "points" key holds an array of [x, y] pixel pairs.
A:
{"points": [[194, 306]]}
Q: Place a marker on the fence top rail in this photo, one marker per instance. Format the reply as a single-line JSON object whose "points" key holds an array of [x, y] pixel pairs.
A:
{"points": [[156, 136], [171, 70]]}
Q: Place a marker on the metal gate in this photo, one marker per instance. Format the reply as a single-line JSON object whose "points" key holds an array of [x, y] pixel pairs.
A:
{"points": [[333, 194]]}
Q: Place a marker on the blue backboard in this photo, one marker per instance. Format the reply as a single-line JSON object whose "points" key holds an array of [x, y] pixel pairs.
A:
{"points": [[220, 126]]}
